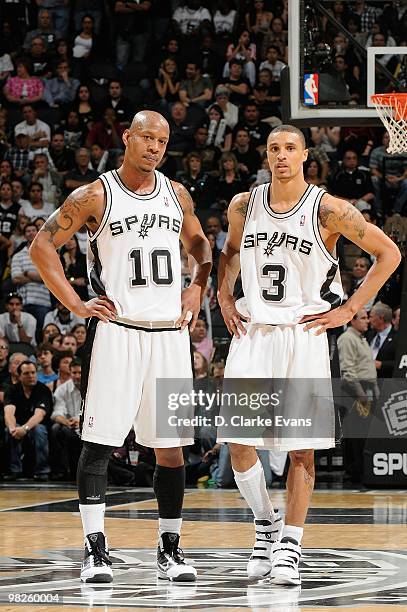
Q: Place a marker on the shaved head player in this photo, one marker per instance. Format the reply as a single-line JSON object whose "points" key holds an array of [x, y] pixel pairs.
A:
{"points": [[135, 218], [282, 236]]}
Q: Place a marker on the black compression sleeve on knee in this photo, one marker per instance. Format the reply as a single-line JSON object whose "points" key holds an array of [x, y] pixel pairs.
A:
{"points": [[92, 472], [169, 486]]}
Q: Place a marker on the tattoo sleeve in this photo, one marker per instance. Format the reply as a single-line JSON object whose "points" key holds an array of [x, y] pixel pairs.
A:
{"points": [[350, 220], [73, 208]]}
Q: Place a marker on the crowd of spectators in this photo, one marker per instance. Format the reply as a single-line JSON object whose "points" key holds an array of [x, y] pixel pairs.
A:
{"points": [[72, 75]]}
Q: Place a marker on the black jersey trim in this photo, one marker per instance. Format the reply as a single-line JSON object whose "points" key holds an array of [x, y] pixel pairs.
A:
{"points": [[287, 213], [317, 231], [326, 294], [250, 205], [146, 329], [174, 196], [108, 208], [133, 194], [86, 365], [95, 273]]}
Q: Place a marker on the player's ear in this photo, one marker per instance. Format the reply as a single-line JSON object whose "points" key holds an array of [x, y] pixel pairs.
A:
{"points": [[125, 136], [305, 155]]}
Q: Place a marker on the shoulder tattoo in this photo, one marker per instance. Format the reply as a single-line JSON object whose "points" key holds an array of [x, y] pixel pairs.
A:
{"points": [[241, 208], [185, 199], [349, 219], [63, 218]]}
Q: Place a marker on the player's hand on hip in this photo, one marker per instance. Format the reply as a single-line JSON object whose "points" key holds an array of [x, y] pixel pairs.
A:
{"points": [[232, 317], [100, 307], [327, 320], [191, 305]]}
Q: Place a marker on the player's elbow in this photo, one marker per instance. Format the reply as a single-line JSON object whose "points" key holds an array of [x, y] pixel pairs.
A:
{"points": [[393, 256]]}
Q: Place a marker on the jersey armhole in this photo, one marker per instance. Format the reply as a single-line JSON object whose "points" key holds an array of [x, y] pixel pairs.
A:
{"points": [[108, 205], [174, 196], [249, 207], [317, 231]]}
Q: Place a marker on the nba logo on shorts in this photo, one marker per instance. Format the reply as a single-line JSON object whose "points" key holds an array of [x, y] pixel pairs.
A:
{"points": [[302, 220], [311, 89], [90, 423]]}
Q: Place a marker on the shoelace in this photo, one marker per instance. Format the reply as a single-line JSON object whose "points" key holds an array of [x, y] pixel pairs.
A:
{"points": [[100, 553]]}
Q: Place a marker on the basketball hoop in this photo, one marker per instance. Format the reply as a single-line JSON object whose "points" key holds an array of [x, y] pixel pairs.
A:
{"points": [[392, 110]]}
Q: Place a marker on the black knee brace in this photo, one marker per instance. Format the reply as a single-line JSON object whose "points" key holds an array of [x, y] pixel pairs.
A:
{"points": [[92, 472]]}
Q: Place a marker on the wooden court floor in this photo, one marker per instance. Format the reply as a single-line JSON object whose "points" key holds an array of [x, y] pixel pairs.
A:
{"points": [[354, 553]]}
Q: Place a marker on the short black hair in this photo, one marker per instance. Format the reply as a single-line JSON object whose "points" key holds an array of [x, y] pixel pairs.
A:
{"points": [[13, 296], [76, 362], [25, 362], [291, 129]]}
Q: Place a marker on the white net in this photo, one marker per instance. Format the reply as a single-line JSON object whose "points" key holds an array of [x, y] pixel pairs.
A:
{"points": [[392, 110]]}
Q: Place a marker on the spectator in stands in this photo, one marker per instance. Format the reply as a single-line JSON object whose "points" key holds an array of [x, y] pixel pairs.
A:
{"points": [[36, 297], [62, 318], [28, 404], [106, 133], [59, 11], [313, 173], [122, 106], [396, 319], [394, 19], [39, 58], [201, 366], [38, 132], [14, 361], [167, 83], [44, 31], [85, 106], [230, 182], [378, 29], [99, 158], [258, 19], [382, 339], [208, 153], [61, 89], [24, 88], [48, 331], [367, 14], [236, 83], [46, 374], [195, 89], [4, 368], [63, 51], [62, 157], [267, 107], [6, 66], [247, 156], [65, 429], [61, 365], [181, 130], [9, 212], [36, 206], [74, 265], [230, 111], [94, 8], [18, 192], [317, 152], [272, 63], [353, 183], [245, 52], [82, 48], [200, 340], [74, 131], [197, 182], [389, 171], [359, 271], [213, 225], [69, 343], [276, 37], [219, 133], [6, 171], [343, 74], [224, 19], [16, 325], [132, 20], [49, 179], [79, 331], [257, 130], [192, 19], [17, 237], [81, 175]]}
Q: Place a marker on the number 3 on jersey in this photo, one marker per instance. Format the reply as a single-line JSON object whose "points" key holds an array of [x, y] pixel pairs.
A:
{"points": [[160, 267], [276, 274]]}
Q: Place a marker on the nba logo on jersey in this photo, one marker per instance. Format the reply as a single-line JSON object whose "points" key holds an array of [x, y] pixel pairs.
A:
{"points": [[311, 89], [302, 220], [166, 201], [90, 423]]}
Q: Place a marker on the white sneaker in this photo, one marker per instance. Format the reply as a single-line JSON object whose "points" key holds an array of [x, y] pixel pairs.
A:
{"points": [[285, 562], [171, 564], [96, 563], [267, 533]]}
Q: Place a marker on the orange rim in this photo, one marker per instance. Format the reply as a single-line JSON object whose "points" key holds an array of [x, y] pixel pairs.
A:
{"points": [[397, 101]]}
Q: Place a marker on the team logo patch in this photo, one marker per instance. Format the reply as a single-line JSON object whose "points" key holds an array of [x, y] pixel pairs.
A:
{"points": [[146, 224]]}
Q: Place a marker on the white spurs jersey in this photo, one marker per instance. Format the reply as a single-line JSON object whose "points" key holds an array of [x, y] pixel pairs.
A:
{"points": [[287, 272], [134, 257]]}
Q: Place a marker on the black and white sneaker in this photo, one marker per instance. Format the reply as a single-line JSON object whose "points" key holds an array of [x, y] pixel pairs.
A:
{"points": [[96, 563], [171, 564], [267, 533], [286, 557]]}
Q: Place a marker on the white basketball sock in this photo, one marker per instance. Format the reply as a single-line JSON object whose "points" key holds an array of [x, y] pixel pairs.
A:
{"points": [[93, 518], [290, 531], [252, 485], [166, 525]]}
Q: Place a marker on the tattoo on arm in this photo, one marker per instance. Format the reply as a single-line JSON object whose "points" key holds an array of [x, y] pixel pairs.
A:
{"points": [[351, 219], [63, 219], [184, 197], [242, 208]]}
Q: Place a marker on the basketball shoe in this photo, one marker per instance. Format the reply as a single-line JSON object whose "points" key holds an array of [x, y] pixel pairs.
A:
{"points": [[286, 556], [267, 533], [96, 563], [171, 564]]}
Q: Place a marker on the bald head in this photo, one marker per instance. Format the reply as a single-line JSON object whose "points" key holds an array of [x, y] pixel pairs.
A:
{"points": [[147, 120]]}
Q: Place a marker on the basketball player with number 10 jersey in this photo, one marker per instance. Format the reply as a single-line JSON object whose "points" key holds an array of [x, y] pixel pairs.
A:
{"points": [[282, 236]]}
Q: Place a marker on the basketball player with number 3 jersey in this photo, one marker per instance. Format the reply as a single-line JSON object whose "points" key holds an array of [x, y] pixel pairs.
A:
{"points": [[138, 331], [282, 237]]}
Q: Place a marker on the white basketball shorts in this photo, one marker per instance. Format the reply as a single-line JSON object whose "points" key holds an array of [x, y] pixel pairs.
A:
{"points": [[119, 372], [284, 352]]}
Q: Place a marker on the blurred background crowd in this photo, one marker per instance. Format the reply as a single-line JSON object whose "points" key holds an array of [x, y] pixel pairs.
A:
{"points": [[72, 75]]}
